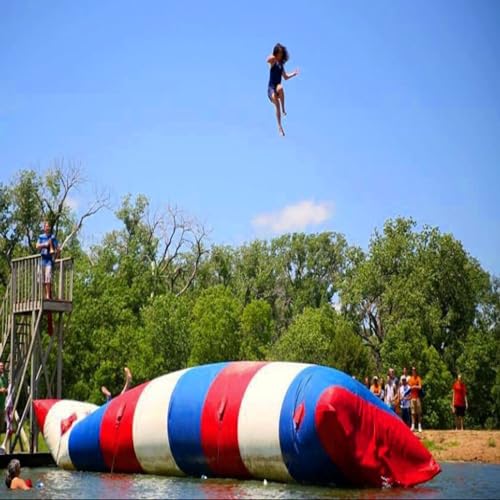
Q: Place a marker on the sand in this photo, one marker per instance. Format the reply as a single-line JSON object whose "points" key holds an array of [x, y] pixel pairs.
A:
{"points": [[463, 446]]}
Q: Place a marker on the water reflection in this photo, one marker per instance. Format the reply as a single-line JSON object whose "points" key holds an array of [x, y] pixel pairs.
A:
{"points": [[456, 481], [117, 485]]}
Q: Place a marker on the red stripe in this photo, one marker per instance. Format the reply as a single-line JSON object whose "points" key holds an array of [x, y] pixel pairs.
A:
{"points": [[116, 432], [219, 419], [42, 407], [368, 443]]}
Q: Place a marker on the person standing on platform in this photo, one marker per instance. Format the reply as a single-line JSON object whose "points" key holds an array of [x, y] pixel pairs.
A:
{"points": [[48, 247]]}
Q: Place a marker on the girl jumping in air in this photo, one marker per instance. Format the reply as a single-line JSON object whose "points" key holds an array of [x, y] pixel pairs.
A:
{"points": [[275, 89]]}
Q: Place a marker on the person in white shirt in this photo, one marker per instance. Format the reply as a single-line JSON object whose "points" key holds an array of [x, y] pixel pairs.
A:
{"points": [[404, 398], [390, 393]]}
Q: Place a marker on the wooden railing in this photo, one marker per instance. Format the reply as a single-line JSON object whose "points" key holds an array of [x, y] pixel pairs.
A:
{"points": [[6, 316], [27, 288], [25, 352]]}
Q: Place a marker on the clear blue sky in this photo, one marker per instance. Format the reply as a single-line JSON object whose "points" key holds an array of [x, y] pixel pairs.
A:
{"points": [[396, 112]]}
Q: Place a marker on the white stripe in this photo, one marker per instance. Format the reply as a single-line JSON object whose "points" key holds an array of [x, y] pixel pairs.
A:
{"points": [[149, 431], [57, 444], [259, 418]]}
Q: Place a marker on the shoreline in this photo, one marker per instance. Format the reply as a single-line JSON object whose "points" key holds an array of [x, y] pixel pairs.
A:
{"points": [[462, 446]]}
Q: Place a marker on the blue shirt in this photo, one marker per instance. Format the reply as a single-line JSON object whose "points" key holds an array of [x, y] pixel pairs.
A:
{"points": [[44, 252]]}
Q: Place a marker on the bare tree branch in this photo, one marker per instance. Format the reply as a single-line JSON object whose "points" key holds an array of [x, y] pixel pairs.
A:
{"points": [[101, 201], [199, 252]]}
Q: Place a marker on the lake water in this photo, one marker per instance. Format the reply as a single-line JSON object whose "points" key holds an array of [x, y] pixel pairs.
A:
{"points": [[457, 480]]}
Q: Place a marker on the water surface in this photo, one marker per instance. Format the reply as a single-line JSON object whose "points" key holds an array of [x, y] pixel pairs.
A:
{"points": [[458, 480]]}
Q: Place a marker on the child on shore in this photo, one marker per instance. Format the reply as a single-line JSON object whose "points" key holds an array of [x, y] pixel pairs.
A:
{"points": [[275, 90]]}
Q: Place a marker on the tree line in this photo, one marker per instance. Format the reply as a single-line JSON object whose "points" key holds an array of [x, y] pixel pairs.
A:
{"points": [[156, 296]]}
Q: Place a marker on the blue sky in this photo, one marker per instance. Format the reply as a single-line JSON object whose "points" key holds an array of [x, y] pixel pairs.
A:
{"points": [[396, 111]]}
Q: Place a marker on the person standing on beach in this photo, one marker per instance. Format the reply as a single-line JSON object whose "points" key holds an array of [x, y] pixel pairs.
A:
{"points": [[405, 375], [415, 383], [376, 388], [459, 403], [367, 382], [390, 393], [404, 401]]}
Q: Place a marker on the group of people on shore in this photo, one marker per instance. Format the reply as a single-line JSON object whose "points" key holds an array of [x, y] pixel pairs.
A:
{"points": [[404, 396]]}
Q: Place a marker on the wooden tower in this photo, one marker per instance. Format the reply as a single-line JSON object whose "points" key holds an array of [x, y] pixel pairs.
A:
{"points": [[32, 332]]}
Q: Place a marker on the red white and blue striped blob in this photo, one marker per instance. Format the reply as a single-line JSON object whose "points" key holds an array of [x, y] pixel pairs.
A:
{"points": [[275, 421]]}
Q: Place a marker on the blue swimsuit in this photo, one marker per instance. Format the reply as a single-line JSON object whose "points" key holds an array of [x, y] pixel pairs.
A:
{"points": [[275, 74]]}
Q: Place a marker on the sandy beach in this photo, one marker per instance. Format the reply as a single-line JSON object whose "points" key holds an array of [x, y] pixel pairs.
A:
{"points": [[463, 446]]}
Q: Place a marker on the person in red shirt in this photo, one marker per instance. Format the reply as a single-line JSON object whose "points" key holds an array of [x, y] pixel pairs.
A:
{"points": [[415, 383], [459, 402]]}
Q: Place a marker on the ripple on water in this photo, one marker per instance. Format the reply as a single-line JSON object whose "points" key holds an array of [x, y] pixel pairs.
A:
{"points": [[462, 480]]}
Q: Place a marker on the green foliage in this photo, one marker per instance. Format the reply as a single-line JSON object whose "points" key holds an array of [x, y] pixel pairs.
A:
{"points": [[164, 342], [151, 296], [478, 364], [256, 330], [322, 336], [308, 339], [215, 327], [437, 383]]}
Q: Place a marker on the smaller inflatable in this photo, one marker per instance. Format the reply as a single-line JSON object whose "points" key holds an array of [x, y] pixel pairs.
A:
{"points": [[274, 421]]}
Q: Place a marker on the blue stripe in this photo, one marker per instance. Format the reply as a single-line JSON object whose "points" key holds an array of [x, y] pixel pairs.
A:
{"points": [[84, 445], [184, 418], [303, 454]]}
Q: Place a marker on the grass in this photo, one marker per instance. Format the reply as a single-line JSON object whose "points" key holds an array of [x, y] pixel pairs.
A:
{"points": [[431, 445], [452, 444], [42, 446], [492, 443]]}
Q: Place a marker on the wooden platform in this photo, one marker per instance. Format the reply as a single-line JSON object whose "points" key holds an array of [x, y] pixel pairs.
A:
{"points": [[46, 305], [28, 459]]}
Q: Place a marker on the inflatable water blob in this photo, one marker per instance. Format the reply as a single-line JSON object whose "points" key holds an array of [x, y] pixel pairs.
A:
{"points": [[276, 421]]}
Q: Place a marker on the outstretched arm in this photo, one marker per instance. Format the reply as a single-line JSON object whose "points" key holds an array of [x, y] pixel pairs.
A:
{"points": [[287, 76]]}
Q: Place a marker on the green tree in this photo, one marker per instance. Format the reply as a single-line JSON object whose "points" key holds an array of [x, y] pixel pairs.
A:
{"points": [[426, 277], [215, 329], [322, 336], [164, 342], [256, 330], [479, 366]]}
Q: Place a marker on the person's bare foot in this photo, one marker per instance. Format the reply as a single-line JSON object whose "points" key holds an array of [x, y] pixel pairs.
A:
{"points": [[128, 374], [281, 131], [105, 391], [284, 112]]}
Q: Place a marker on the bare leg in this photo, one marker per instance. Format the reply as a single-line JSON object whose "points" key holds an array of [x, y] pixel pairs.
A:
{"points": [[128, 379], [281, 96], [278, 113], [106, 393]]}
